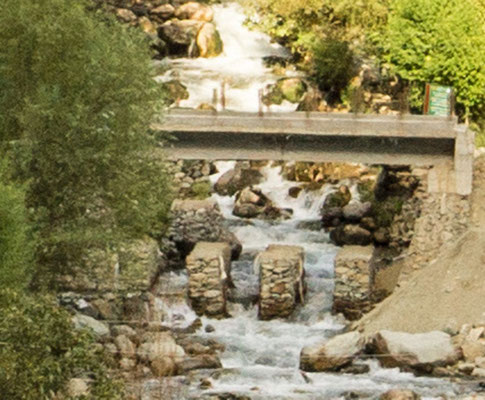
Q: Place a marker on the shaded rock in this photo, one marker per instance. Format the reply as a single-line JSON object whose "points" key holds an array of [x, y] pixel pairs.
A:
{"points": [[311, 100], [195, 11], [331, 216], [294, 191], [418, 351], [333, 355], [355, 369], [355, 210], [339, 198], [351, 235], [99, 328], [237, 179], [125, 330], [180, 35], [399, 394], [203, 361]]}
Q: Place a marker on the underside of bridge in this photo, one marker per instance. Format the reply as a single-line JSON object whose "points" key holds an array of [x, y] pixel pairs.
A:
{"points": [[317, 137]]}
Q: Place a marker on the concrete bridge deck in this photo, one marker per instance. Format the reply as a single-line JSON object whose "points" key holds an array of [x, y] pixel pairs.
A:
{"points": [[327, 137]]}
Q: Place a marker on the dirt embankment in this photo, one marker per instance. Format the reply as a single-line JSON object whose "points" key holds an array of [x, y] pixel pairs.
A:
{"points": [[448, 293]]}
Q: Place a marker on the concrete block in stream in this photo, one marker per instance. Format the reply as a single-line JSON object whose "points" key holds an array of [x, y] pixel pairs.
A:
{"points": [[281, 280], [208, 266]]}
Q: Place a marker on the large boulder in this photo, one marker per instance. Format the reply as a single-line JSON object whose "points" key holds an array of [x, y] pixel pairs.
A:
{"points": [[209, 41], [195, 11], [162, 353], [252, 203], [196, 221], [180, 35], [414, 351], [237, 179], [333, 355]]}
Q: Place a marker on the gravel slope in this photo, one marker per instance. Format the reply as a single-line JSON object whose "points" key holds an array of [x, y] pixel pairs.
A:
{"points": [[448, 293]]}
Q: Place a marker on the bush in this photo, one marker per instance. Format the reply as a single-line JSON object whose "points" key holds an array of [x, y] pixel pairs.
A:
{"points": [[15, 240], [40, 351], [441, 42], [77, 99]]}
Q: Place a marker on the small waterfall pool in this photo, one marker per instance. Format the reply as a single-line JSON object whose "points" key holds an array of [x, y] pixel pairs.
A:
{"points": [[261, 357]]}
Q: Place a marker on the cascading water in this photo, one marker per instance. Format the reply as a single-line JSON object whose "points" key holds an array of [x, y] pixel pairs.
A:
{"points": [[261, 357]]}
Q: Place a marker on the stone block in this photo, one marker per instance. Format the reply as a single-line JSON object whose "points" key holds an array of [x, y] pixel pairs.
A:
{"points": [[208, 266], [281, 277]]}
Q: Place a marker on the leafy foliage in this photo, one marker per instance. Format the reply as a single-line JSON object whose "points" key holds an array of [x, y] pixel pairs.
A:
{"points": [[77, 98], [15, 239], [441, 42], [40, 351]]}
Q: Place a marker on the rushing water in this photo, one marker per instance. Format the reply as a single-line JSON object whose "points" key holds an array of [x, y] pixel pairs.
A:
{"points": [[261, 357]]}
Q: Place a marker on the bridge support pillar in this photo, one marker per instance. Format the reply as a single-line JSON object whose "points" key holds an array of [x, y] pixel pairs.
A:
{"points": [[281, 275], [455, 177], [209, 278]]}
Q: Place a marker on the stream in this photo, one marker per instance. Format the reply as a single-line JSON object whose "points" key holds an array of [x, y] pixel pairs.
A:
{"points": [[261, 358]]}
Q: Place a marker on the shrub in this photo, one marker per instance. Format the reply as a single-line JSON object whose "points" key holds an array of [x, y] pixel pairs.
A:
{"points": [[441, 42], [77, 98], [40, 351], [15, 239]]}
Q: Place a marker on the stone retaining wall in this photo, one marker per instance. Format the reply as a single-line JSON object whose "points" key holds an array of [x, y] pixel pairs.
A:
{"points": [[209, 278], [281, 275]]}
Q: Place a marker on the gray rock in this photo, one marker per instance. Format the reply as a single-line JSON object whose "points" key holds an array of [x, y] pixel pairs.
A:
{"points": [[237, 179], [415, 351], [333, 355], [355, 210], [99, 328]]}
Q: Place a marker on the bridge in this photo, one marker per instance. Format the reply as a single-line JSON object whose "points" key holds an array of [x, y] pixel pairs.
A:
{"points": [[417, 140]]}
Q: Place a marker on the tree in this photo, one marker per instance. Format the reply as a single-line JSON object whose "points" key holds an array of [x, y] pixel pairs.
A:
{"points": [[441, 42], [76, 101]]}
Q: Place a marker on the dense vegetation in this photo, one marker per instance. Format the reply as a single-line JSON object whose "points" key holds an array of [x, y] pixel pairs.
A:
{"points": [[76, 100], [414, 41]]}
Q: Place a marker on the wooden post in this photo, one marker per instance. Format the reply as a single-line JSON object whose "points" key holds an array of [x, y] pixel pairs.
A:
{"points": [[426, 99], [260, 102], [223, 95]]}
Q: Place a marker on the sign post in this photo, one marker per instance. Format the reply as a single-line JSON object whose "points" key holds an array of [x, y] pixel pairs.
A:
{"points": [[438, 100]]}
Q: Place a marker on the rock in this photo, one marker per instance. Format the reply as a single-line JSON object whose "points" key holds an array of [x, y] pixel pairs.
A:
{"points": [[294, 191], [147, 26], [355, 210], [160, 345], [163, 366], [382, 236], [209, 41], [311, 101], [333, 355], [125, 346], [127, 364], [125, 15], [199, 220], [339, 198], [125, 330], [77, 387], [473, 349], [331, 216], [252, 203], [99, 328], [203, 361], [180, 36], [290, 89], [415, 351], [479, 372], [351, 235], [237, 179], [355, 369], [165, 11], [209, 328], [480, 362], [399, 394], [175, 91], [195, 11]]}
